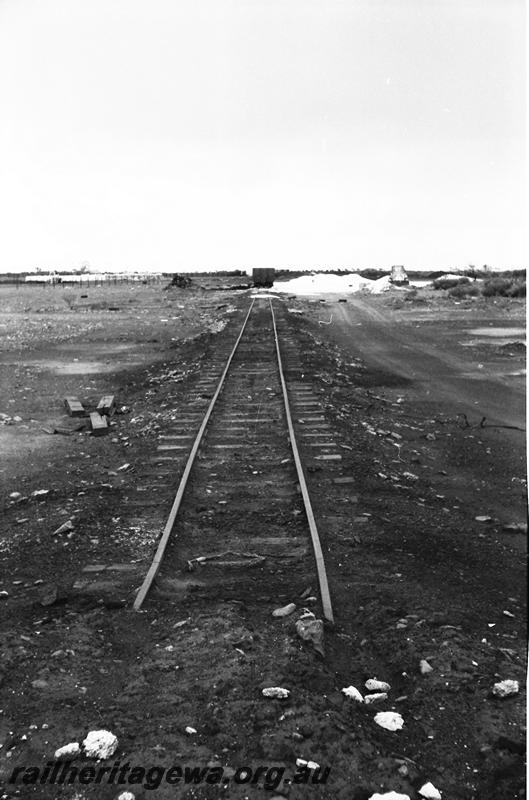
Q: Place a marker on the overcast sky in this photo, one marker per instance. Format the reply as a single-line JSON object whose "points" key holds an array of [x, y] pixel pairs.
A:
{"points": [[173, 134]]}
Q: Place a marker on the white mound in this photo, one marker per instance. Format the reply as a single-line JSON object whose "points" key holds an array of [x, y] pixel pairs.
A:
{"points": [[326, 283]]}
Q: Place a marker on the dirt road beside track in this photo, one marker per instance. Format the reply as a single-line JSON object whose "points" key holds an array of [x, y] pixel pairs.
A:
{"points": [[427, 352]]}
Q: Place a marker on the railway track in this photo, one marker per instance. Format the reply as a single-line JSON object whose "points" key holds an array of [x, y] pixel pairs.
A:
{"points": [[242, 522]]}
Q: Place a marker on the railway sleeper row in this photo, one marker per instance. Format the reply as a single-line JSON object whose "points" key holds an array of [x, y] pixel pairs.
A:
{"points": [[243, 495]]}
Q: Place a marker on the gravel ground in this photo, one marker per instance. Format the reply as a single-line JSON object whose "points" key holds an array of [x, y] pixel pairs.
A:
{"points": [[416, 577]]}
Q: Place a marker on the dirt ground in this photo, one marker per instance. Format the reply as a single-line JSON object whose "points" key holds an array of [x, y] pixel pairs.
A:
{"points": [[426, 401]]}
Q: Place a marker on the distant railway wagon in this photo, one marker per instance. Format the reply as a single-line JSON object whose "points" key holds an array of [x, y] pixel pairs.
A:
{"points": [[263, 276]]}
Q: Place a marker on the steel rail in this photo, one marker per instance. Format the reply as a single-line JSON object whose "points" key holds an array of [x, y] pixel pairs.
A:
{"points": [[316, 544], [162, 545]]}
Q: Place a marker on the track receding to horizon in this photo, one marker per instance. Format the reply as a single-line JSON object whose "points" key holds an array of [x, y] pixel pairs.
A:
{"points": [[242, 522]]}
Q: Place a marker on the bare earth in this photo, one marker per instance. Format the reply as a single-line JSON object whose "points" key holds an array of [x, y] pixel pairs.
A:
{"points": [[426, 401]]}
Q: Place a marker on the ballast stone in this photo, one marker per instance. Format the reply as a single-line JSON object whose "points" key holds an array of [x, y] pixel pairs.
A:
{"points": [[100, 744], [300, 762], [430, 792], [71, 750], [353, 693], [276, 691], [505, 688], [376, 697], [377, 686], [389, 720], [285, 611]]}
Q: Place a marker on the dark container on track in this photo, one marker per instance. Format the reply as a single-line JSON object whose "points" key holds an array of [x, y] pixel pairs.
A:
{"points": [[263, 276]]}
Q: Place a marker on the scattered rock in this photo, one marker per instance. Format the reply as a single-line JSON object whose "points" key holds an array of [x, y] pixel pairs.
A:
{"points": [[311, 630], [353, 693], [15, 496], [190, 731], [375, 698], [126, 796], [377, 686], [71, 750], [276, 691], [505, 688], [285, 611], [389, 720], [430, 792], [483, 518], [300, 762], [425, 667], [100, 744], [64, 528]]}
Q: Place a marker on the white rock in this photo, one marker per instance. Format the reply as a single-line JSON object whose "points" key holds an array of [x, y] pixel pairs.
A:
{"points": [[39, 492], [389, 796], [100, 744], [505, 688], [71, 750], [64, 528], [300, 762], [353, 693], [377, 686], [14, 495], [126, 796], [483, 518], [190, 730], [374, 698], [430, 792], [276, 691], [425, 667], [285, 611], [389, 720]]}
